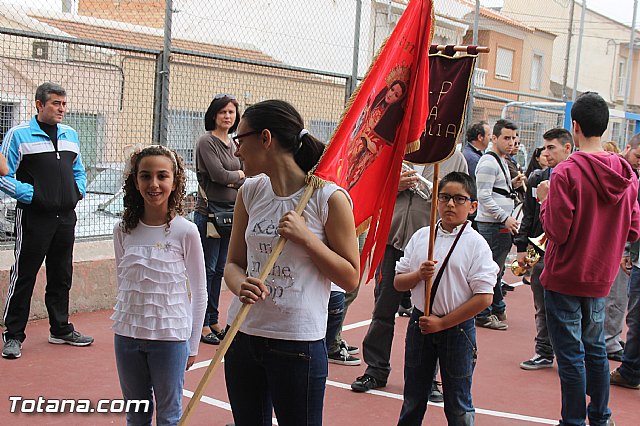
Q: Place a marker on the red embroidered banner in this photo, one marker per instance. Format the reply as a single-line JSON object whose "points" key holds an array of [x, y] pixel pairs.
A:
{"points": [[386, 118], [449, 83]]}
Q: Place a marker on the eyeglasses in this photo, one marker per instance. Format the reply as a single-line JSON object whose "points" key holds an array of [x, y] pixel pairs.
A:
{"points": [[236, 139], [458, 199], [223, 95]]}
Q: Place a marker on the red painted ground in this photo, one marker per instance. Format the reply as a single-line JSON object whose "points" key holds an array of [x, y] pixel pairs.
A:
{"points": [[54, 371]]}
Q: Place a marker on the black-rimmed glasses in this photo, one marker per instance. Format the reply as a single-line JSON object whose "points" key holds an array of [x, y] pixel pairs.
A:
{"points": [[458, 199], [236, 139], [223, 95]]}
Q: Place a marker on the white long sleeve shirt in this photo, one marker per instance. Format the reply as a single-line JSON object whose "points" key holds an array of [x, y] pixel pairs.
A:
{"points": [[154, 264]]}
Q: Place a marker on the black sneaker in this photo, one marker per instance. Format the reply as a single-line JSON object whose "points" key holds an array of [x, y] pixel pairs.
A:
{"points": [[537, 362], [404, 312], [616, 356], [342, 357], [366, 383], [436, 394], [75, 338], [351, 350], [11, 349]]}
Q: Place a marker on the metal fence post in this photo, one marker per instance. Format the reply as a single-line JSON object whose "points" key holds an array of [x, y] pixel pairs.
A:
{"points": [[356, 51], [164, 76], [472, 87]]}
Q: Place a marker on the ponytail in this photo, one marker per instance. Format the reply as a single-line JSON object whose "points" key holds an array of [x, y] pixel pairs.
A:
{"points": [[283, 121], [309, 153]]}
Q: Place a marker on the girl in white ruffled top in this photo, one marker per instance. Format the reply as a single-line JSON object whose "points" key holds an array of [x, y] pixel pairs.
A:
{"points": [[157, 327]]}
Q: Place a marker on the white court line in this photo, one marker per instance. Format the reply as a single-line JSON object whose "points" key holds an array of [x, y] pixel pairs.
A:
{"points": [[201, 364], [357, 325], [216, 402], [440, 404], [502, 414]]}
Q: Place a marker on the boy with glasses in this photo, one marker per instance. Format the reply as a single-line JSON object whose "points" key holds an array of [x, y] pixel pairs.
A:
{"points": [[463, 281]]}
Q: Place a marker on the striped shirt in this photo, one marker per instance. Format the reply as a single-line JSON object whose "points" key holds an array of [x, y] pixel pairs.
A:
{"points": [[492, 207]]}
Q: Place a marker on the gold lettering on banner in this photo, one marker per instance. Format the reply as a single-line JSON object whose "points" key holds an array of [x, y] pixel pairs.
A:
{"points": [[442, 91], [451, 132], [433, 113], [435, 129], [407, 45]]}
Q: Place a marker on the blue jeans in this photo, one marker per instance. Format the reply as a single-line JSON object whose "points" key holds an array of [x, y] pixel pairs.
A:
{"points": [[215, 257], [456, 350], [500, 245], [288, 376], [630, 368], [148, 369], [576, 328], [335, 315]]}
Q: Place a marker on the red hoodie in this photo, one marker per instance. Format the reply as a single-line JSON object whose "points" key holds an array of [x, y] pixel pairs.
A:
{"points": [[589, 214]]}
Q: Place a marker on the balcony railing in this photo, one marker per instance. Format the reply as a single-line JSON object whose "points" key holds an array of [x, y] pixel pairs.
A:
{"points": [[479, 77]]}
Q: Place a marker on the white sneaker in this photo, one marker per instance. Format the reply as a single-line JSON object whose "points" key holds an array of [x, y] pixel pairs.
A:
{"points": [[492, 322]]}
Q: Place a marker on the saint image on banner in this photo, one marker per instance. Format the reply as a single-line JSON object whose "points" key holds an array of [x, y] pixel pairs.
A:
{"points": [[375, 129]]}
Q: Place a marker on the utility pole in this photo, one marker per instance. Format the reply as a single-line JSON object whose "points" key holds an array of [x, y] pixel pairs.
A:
{"points": [[577, 69], [629, 68], [568, 52]]}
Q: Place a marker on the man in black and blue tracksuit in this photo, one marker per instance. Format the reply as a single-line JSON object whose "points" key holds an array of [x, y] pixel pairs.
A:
{"points": [[47, 178]]}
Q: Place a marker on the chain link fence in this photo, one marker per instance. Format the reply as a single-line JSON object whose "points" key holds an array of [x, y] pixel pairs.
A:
{"points": [[112, 59], [144, 71]]}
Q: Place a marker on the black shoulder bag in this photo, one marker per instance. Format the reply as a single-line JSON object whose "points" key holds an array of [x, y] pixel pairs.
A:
{"points": [[220, 220]]}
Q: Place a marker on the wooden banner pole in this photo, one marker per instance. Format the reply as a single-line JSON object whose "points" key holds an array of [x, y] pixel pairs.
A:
{"points": [[432, 234], [239, 320]]}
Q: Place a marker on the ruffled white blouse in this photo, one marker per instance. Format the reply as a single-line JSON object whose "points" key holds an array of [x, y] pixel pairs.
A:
{"points": [[154, 264]]}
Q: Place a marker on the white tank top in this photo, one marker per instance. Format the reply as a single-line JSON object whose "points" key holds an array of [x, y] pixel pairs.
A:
{"points": [[296, 307]]}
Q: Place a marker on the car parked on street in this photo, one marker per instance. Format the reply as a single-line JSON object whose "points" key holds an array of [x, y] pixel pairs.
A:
{"points": [[103, 204]]}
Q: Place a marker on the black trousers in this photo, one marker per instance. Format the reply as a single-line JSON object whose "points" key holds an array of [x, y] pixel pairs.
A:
{"points": [[41, 235], [376, 346]]}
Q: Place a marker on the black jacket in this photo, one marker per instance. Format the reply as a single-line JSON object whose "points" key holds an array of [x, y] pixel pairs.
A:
{"points": [[530, 225]]}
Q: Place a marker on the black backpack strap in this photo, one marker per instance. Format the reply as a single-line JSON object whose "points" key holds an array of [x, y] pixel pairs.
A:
{"points": [[510, 193]]}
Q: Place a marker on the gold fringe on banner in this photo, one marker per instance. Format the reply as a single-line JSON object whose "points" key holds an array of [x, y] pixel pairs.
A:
{"points": [[412, 147]]}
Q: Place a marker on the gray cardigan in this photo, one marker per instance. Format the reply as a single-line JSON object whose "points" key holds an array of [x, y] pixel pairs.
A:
{"points": [[217, 170]]}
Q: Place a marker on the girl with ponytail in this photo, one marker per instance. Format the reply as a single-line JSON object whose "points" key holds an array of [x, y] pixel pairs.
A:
{"points": [[278, 358]]}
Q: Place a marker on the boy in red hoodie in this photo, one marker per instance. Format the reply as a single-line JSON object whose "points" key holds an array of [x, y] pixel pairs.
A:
{"points": [[589, 210]]}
